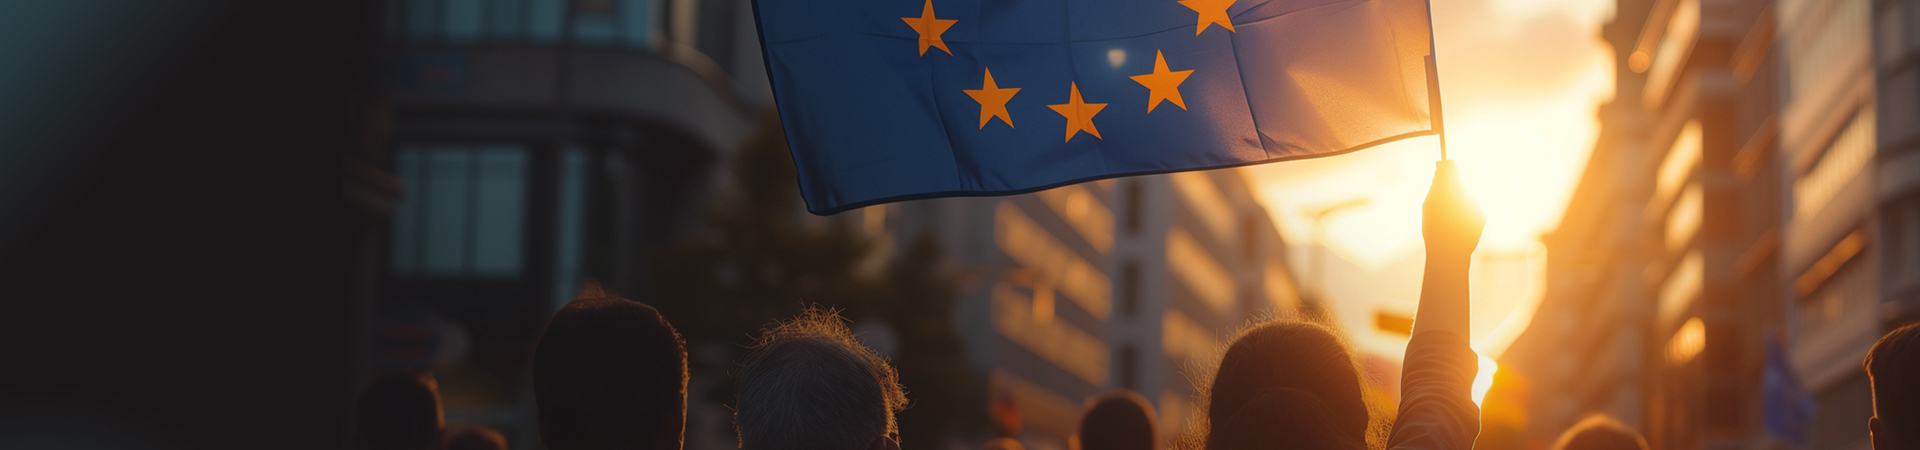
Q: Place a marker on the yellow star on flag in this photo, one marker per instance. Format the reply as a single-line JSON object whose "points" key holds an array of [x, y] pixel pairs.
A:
{"points": [[1211, 12], [993, 100], [1079, 114], [930, 28], [1163, 85]]}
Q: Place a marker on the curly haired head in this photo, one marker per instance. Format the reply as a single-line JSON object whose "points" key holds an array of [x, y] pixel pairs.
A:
{"points": [[810, 385]]}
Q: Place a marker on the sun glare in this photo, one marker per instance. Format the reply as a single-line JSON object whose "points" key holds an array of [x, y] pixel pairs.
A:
{"points": [[1521, 142], [1484, 380]]}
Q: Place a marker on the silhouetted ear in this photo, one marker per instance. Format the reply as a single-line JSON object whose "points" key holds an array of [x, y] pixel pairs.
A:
{"points": [[1878, 431]]}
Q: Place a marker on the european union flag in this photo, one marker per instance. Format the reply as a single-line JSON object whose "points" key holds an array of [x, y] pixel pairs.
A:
{"points": [[889, 100]]}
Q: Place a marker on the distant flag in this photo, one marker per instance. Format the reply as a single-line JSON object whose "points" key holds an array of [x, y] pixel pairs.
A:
{"points": [[1786, 407], [889, 100]]}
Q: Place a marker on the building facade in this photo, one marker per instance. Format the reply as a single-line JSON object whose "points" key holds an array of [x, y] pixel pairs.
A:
{"points": [[1850, 220], [1130, 283], [534, 144], [1660, 286], [1752, 187]]}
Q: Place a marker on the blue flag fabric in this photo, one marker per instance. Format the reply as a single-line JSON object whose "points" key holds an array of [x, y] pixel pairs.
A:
{"points": [[889, 100]]}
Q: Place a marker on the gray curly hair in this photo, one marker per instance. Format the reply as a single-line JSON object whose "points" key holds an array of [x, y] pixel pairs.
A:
{"points": [[810, 385]]}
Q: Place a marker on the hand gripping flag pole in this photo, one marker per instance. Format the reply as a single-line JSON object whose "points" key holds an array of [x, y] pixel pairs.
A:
{"points": [[1433, 85]]}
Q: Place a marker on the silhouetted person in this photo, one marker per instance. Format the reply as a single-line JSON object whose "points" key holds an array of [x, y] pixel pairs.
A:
{"points": [[1286, 381], [401, 411], [1893, 366], [1600, 432], [610, 372], [1120, 420], [808, 385], [1292, 384], [478, 438]]}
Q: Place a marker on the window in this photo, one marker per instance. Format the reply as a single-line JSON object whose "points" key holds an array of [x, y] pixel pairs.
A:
{"points": [[1187, 340], [1199, 271], [1084, 211], [1687, 342], [1834, 41], [1056, 341], [1033, 247], [1129, 360], [1850, 152], [1205, 200], [1677, 167], [1676, 44], [1682, 286], [1683, 222], [463, 213], [572, 203]]}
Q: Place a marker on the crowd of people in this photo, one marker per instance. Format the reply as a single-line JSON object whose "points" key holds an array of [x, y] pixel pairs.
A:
{"points": [[611, 373]]}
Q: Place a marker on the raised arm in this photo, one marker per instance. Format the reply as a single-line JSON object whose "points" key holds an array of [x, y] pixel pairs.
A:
{"points": [[1451, 225], [1436, 382]]}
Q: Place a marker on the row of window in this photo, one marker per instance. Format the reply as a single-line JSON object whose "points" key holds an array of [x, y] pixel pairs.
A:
{"points": [[464, 211], [1850, 152], [1834, 40], [1030, 245]]}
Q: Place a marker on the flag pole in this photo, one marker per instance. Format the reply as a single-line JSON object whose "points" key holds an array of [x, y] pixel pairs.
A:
{"points": [[1433, 85]]}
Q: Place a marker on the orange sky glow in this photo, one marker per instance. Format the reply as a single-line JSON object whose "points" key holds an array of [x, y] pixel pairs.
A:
{"points": [[1521, 80]]}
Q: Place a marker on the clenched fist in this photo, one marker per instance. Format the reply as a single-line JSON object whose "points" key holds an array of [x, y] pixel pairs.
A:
{"points": [[1452, 222]]}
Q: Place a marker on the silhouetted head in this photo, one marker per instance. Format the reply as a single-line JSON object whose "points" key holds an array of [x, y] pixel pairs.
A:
{"points": [[479, 438], [808, 385], [401, 411], [1121, 420], [1600, 432], [1893, 365], [610, 373], [1286, 381]]}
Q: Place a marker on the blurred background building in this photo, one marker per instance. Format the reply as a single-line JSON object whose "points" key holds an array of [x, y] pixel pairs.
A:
{"points": [[1739, 198], [515, 148], [521, 146], [1079, 290], [1746, 226], [1850, 239]]}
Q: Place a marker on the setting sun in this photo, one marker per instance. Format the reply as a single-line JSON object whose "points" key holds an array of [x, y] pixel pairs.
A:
{"points": [[1521, 136]]}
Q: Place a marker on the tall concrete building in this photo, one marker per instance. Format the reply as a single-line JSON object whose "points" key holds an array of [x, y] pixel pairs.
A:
{"points": [[1661, 290], [1130, 283], [1754, 185], [537, 143], [1850, 226]]}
